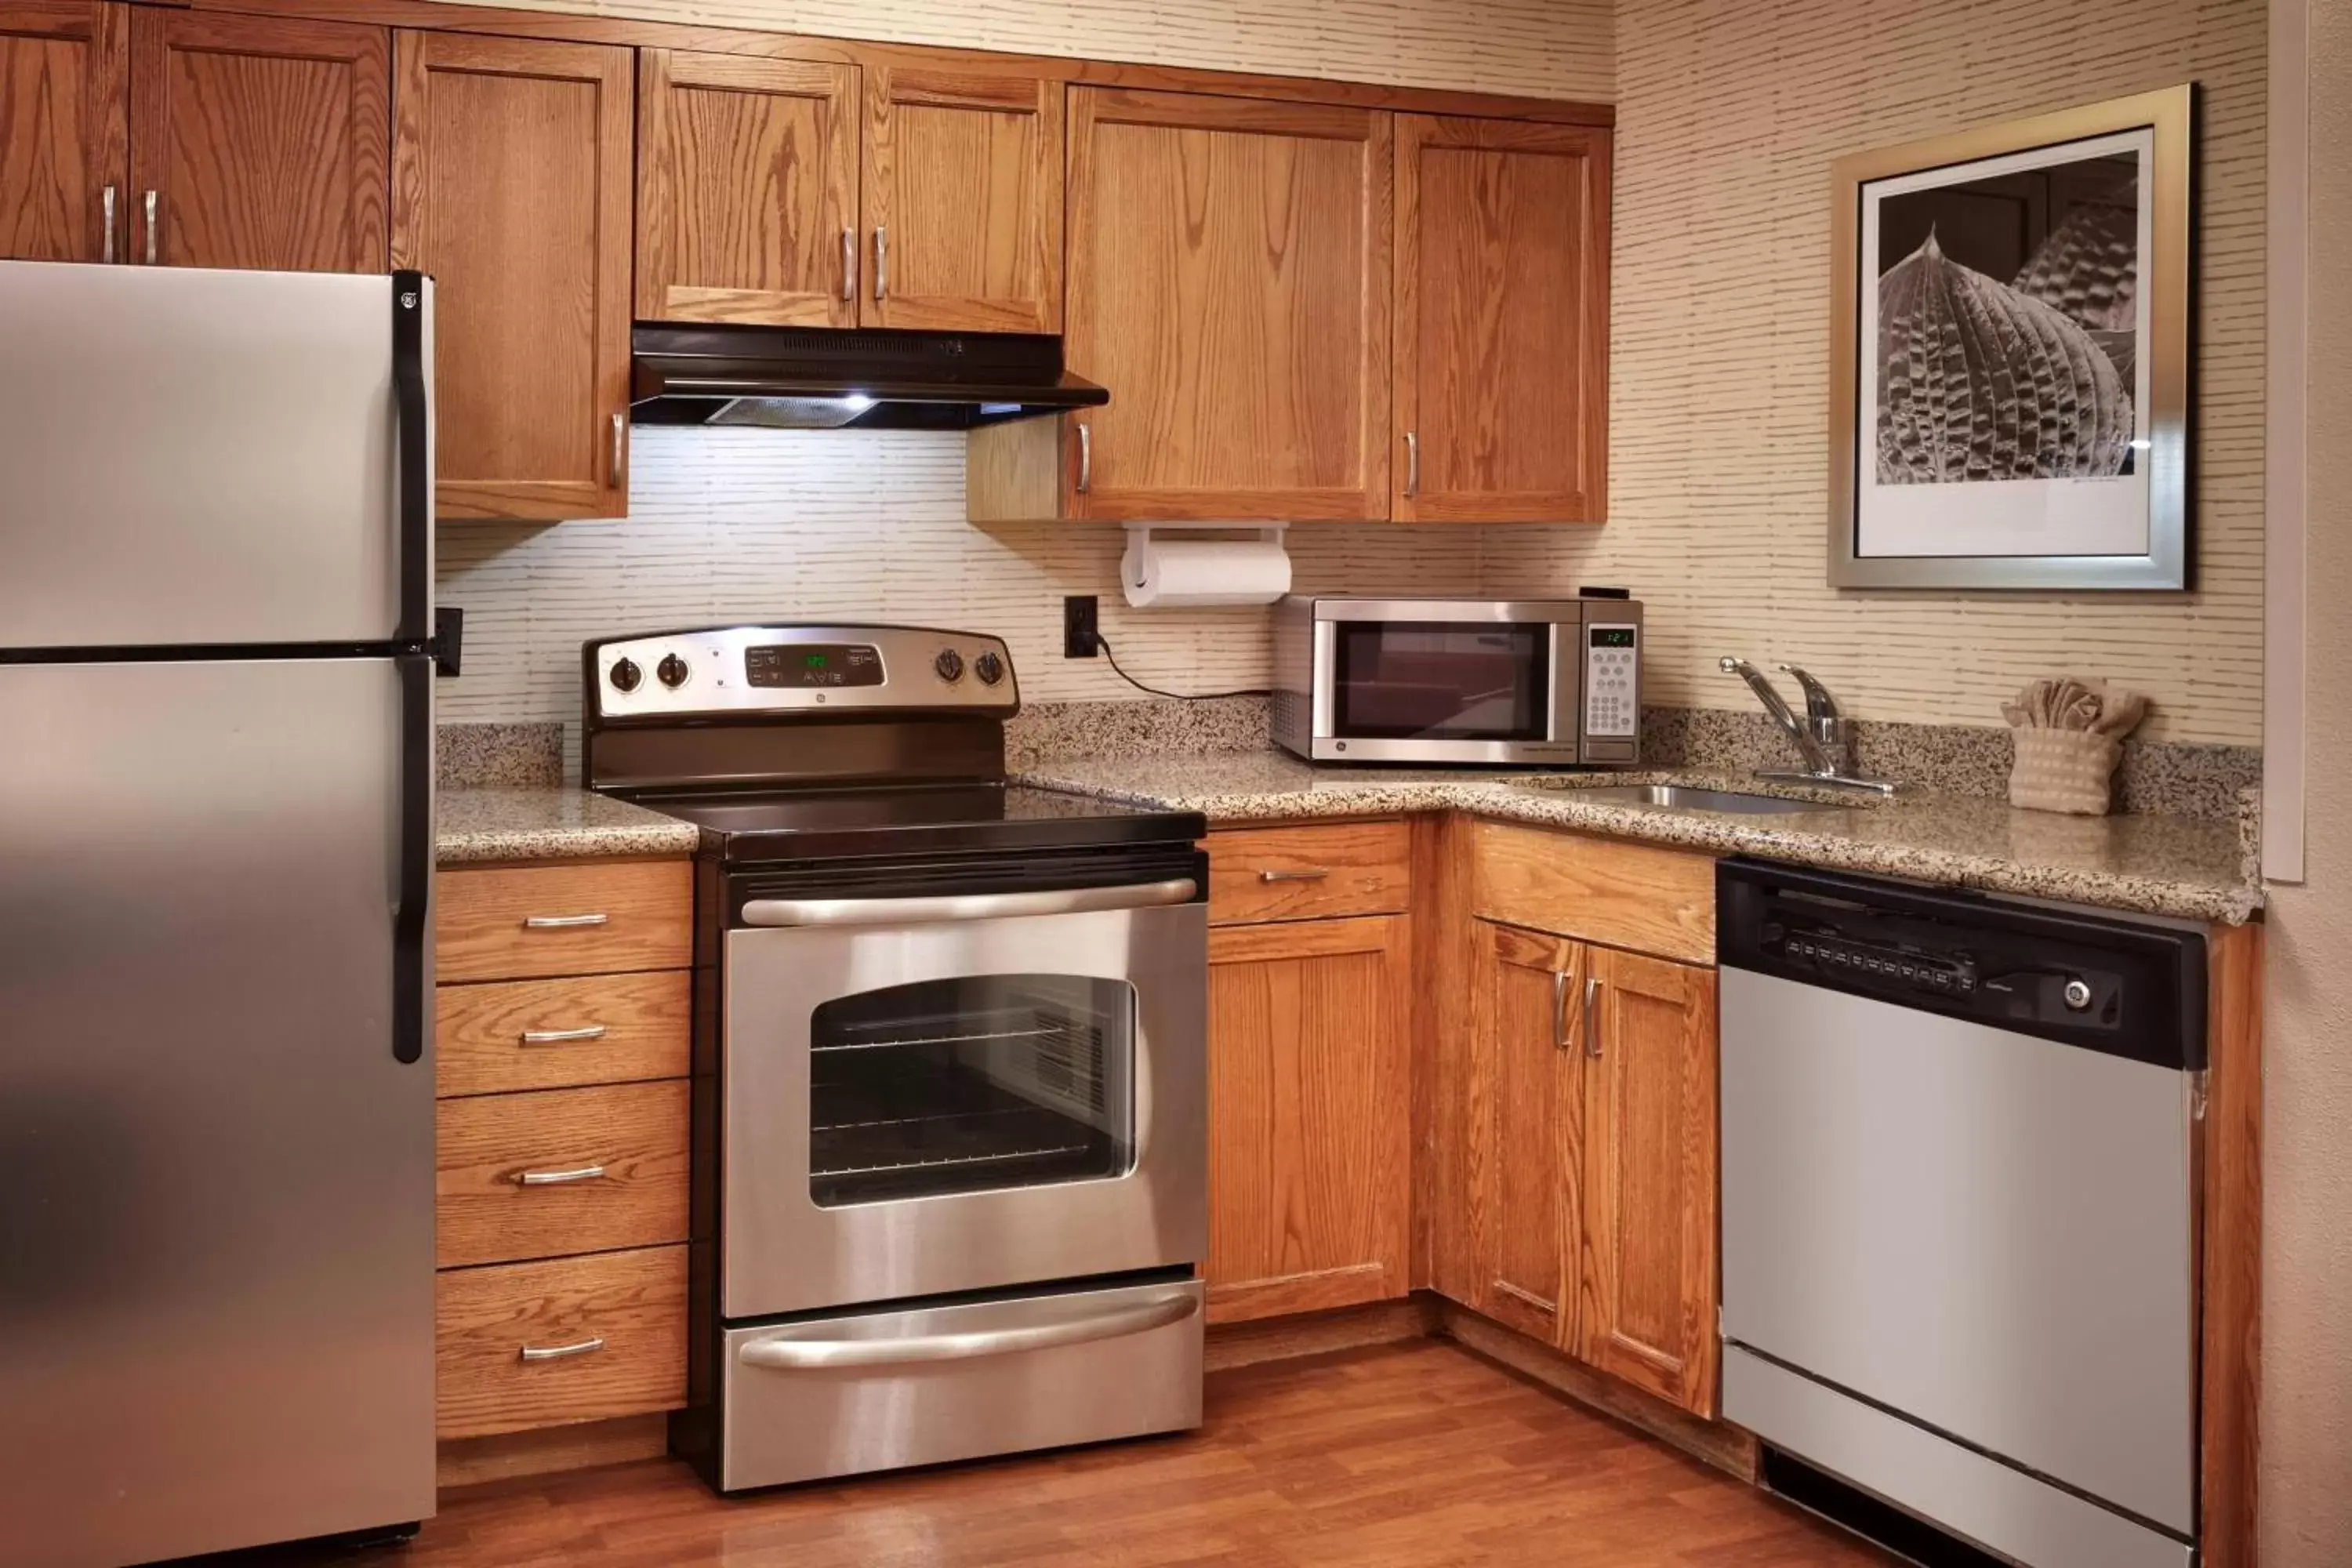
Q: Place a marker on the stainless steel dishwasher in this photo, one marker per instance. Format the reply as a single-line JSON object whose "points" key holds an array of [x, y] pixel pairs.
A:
{"points": [[1959, 1168]]}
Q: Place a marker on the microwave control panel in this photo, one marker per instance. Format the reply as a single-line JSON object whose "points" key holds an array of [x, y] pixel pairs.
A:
{"points": [[1612, 705]]}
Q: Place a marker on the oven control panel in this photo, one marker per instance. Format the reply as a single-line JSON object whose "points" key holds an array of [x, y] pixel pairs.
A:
{"points": [[746, 671]]}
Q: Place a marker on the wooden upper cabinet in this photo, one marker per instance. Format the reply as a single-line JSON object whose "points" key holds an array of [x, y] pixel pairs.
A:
{"points": [[1647, 1268], [1527, 1120], [747, 190], [259, 142], [1502, 321], [1228, 281], [963, 191], [64, 138], [510, 186], [1309, 1115]]}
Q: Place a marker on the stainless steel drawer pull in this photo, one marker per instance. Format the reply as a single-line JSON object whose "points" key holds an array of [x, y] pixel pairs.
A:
{"points": [[152, 200], [557, 1352], [849, 264], [620, 451], [1591, 1023], [562, 1036], [1304, 874], [1085, 457], [881, 262], [965, 906], [105, 213], [559, 1178], [1411, 463], [1559, 1009], [807, 1354], [562, 922]]}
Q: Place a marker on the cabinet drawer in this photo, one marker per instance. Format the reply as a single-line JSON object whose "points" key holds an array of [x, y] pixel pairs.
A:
{"points": [[621, 1316], [561, 1033], [1308, 873], [634, 1135], [1633, 896], [523, 922]]}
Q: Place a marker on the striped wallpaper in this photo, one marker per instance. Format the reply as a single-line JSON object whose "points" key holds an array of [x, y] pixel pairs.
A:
{"points": [[1730, 113]]}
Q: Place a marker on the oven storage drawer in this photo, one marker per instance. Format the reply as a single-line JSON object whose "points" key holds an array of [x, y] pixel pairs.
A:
{"points": [[878, 1391]]}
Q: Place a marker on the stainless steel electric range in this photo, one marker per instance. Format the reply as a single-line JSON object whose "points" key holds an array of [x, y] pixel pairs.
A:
{"points": [[950, 1058]]}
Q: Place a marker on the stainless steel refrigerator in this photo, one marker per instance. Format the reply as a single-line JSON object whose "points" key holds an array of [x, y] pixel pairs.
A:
{"points": [[215, 856]]}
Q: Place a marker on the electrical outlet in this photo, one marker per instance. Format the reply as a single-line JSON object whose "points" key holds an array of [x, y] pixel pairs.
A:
{"points": [[1080, 635]]}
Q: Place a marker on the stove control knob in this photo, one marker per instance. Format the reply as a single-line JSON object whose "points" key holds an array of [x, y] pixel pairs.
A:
{"points": [[673, 671], [2077, 994], [627, 676], [989, 666], [949, 665]]}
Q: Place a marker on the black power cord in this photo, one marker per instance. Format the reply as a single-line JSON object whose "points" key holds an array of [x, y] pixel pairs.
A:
{"points": [[1103, 643]]}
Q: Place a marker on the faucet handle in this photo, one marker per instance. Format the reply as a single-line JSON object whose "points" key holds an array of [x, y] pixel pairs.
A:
{"points": [[1818, 703]]}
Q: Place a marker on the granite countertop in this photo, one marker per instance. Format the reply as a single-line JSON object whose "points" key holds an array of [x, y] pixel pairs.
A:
{"points": [[2184, 867], [552, 822]]}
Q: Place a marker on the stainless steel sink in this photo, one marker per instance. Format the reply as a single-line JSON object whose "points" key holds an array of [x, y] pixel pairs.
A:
{"points": [[1687, 798]]}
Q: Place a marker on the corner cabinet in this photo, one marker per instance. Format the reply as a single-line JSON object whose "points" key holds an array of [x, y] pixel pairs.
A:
{"points": [[1502, 321], [512, 165], [65, 138], [1228, 280]]}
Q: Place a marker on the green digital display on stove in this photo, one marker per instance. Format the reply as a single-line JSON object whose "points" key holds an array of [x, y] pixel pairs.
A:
{"points": [[813, 665]]}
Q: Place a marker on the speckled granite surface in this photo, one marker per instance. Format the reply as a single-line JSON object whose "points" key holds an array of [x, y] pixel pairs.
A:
{"points": [[2190, 868], [473, 756], [550, 822], [1155, 727]]}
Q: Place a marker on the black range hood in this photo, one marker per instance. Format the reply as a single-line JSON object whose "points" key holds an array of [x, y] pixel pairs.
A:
{"points": [[796, 378]]}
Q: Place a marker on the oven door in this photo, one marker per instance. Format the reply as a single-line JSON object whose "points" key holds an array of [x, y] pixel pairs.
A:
{"points": [[1447, 681], [916, 1105]]}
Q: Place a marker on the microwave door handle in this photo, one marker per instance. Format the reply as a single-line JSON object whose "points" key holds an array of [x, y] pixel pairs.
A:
{"points": [[966, 906], [810, 1354]]}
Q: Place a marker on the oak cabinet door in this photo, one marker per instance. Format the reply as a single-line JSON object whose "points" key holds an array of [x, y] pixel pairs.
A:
{"points": [[510, 186], [1309, 1120], [1648, 1258], [1228, 280], [1502, 321], [64, 143], [259, 142], [747, 190], [963, 189], [1526, 1116]]}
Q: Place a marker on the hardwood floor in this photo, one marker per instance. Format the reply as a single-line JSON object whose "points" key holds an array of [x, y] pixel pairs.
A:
{"points": [[1391, 1456]]}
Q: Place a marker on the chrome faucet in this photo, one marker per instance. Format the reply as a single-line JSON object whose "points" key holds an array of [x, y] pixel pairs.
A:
{"points": [[1823, 737]]}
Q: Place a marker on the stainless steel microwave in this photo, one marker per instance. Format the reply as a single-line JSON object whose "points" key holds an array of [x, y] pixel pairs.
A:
{"points": [[1532, 683]]}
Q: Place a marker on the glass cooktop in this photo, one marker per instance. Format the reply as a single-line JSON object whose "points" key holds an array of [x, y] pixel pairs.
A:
{"points": [[902, 819]]}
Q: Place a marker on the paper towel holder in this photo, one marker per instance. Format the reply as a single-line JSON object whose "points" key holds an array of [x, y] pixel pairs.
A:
{"points": [[1139, 541]]}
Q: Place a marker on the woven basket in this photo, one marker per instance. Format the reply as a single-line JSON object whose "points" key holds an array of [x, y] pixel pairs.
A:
{"points": [[2063, 769]]}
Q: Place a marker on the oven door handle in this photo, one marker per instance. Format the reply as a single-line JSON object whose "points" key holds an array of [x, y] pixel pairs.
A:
{"points": [[966, 906], [808, 1355]]}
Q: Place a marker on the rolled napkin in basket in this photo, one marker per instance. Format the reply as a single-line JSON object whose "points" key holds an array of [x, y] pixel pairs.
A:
{"points": [[2069, 738]]}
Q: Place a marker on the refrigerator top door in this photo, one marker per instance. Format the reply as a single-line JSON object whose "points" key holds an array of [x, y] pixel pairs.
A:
{"points": [[194, 456], [216, 1171]]}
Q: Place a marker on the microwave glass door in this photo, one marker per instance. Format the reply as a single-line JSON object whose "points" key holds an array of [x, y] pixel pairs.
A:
{"points": [[1463, 680], [970, 1085]]}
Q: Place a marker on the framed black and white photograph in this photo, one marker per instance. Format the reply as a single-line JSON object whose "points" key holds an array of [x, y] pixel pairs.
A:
{"points": [[2012, 341]]}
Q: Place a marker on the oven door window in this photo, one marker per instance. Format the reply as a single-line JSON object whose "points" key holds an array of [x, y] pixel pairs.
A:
{"points": [[1441, 679], [971, 1084]]}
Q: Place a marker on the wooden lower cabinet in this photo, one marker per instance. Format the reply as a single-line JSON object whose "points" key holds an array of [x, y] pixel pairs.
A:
{"points": [[1590, 1155], [1309, 1124], [571, 1339]]}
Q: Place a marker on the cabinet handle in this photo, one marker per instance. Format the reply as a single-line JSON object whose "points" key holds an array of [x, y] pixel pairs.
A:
{"points": [[562, 1036], [620, 450], [1085, 457], [557, 1352], [1592, 1023], [1304, 874], [881, 262], [849, 264], [559, 1178], [562, 922], [106, 215], [1559, 1009], [152, 202], [1412, 463]]}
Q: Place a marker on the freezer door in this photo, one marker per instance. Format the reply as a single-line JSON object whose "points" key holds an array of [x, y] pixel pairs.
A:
{"points": [[196, 457], [215, 1175]]}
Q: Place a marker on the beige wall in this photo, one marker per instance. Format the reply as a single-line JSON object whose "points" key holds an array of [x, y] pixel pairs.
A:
{"points": [[2307, 1097]]}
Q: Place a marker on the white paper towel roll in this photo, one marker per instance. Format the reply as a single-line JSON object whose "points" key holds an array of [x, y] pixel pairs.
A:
{"points": [[1179, 573]]}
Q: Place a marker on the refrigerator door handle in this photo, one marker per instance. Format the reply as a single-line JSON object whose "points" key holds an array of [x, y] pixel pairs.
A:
{"points": [[416, 856], [414, 475]]}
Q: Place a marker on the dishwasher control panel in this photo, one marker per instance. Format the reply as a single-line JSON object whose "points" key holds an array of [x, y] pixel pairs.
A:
{"points": [[1955, 977]]}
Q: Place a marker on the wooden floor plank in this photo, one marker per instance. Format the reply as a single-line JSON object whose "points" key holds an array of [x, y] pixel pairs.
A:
{"points": [[1404, 1456]]}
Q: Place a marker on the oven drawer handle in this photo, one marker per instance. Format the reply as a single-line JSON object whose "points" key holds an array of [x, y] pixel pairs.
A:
{"points": [[965, 906], [804, 1355]]}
